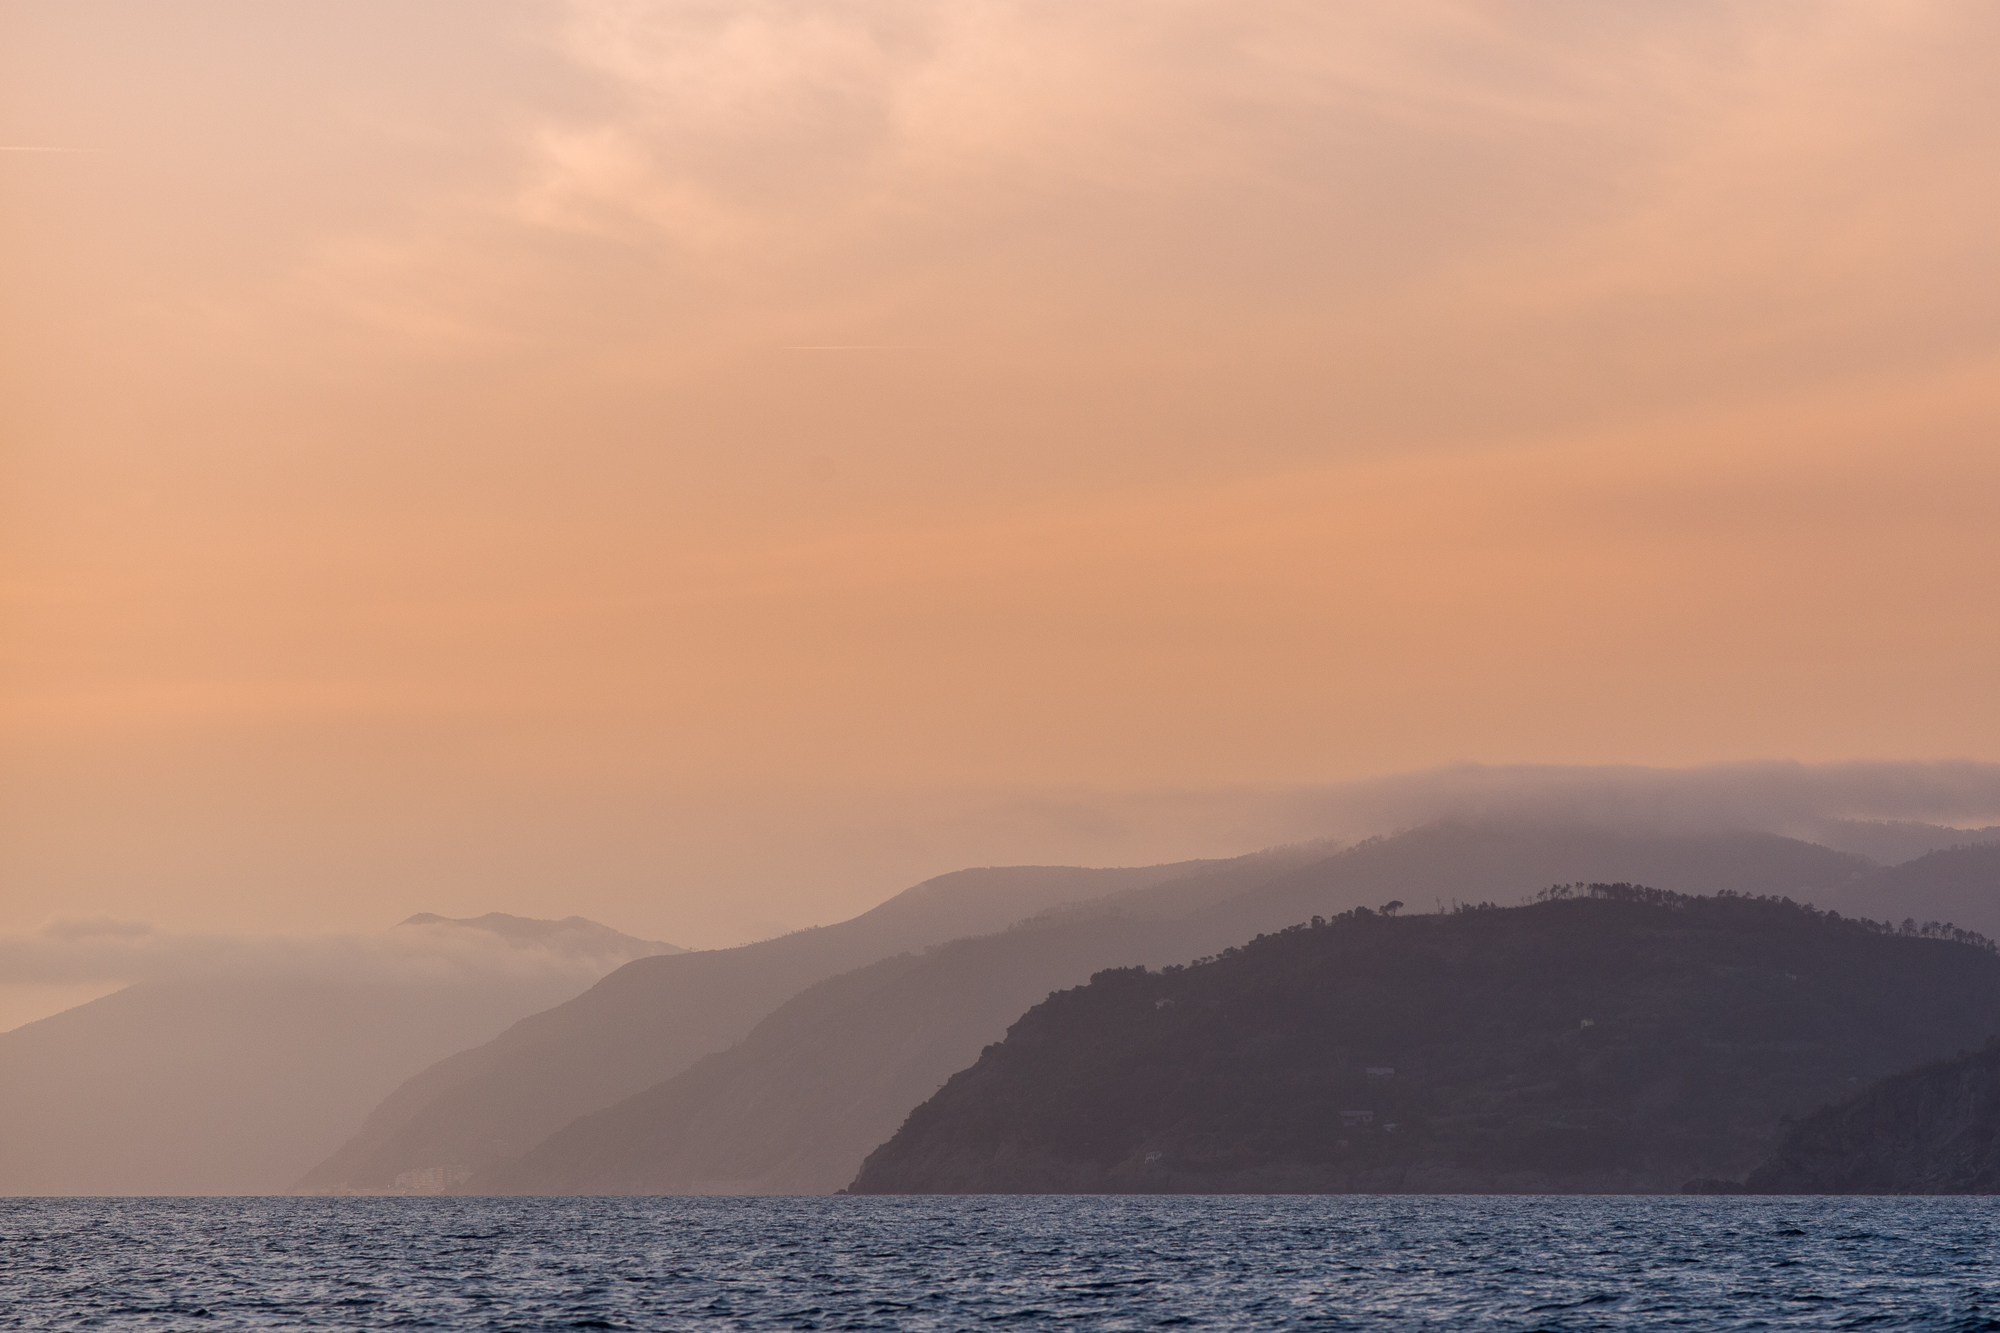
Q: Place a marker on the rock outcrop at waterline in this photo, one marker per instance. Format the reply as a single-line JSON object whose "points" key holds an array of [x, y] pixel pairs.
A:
{"points": [[1930, 1130], [1616, 1039]]}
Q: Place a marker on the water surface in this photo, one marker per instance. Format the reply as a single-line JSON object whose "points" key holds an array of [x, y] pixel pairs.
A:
{"points": [[1013, 1263]]}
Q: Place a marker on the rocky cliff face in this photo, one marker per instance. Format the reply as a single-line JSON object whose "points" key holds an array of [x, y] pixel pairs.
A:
{"points": [[1930, 1130], [1620, 1040]]}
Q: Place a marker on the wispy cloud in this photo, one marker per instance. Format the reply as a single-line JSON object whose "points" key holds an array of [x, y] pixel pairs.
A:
{"points": [[424, 489], [1796, 800], [1788, 798], [102, 949]]}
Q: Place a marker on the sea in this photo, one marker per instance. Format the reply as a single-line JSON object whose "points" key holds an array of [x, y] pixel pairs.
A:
{"points": [[1072, 1263]]}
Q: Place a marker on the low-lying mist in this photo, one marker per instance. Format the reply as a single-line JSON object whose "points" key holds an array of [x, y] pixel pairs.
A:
{"points": [[41, 972], [219, 1064], [1889, 811]]}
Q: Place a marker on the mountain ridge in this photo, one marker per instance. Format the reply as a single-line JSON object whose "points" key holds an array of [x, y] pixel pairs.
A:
{"points": [[571, 934], [752, 1118], [653, 1017], [1626, 1040], [236, 1080]]}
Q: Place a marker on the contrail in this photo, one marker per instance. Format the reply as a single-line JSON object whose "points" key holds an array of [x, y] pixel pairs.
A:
{"points": [[854, 347], [36, 148]]}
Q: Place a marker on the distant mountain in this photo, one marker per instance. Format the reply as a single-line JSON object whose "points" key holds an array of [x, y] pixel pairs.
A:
{"points": [[235, 1082], [794, 1107], [1623, 1041], [827, 1077], [652, 1018], [573, 936], [1894, 841], [1433, 868], [1930, 1130], [1960, 886]]}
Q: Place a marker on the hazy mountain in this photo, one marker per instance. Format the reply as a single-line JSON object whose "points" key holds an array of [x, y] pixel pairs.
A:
{"points": [[1893, 841], [1623, 1041], [652, 1018], [1930, 1130], [236, 1072], [796, 1106], [573, 936], [1961, 886], [1434, 867]]}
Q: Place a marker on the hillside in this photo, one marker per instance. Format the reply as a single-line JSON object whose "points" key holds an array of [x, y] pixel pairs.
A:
{"points": [[1958, 884], [797, 1105], [1895, 841], [652, 1018], [1930, 1130], [1625, 1040], [234, 1083]]}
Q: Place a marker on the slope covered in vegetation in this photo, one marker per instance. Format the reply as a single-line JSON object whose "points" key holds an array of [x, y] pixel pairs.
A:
{"points": [[828, 1075], [1613, 1038]]}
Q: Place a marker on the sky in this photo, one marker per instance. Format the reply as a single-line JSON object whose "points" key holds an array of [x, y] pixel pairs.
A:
{"points": [[706, 466]]}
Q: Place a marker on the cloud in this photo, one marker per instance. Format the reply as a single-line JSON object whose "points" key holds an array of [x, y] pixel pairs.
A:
{"points": [[422, 507], [1264, 155], [436, 952], [1811, 801], [839, 854], [1790, 798]]}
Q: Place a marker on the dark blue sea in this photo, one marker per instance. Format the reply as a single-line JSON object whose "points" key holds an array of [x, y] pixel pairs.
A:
{"points": [[1003, 1263]]}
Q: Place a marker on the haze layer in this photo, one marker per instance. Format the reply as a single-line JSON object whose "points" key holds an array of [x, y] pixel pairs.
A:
{"points": [[526, 455]]}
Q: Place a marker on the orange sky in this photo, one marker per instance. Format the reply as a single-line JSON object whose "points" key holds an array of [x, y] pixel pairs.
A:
{"points": [[671, 461]]}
